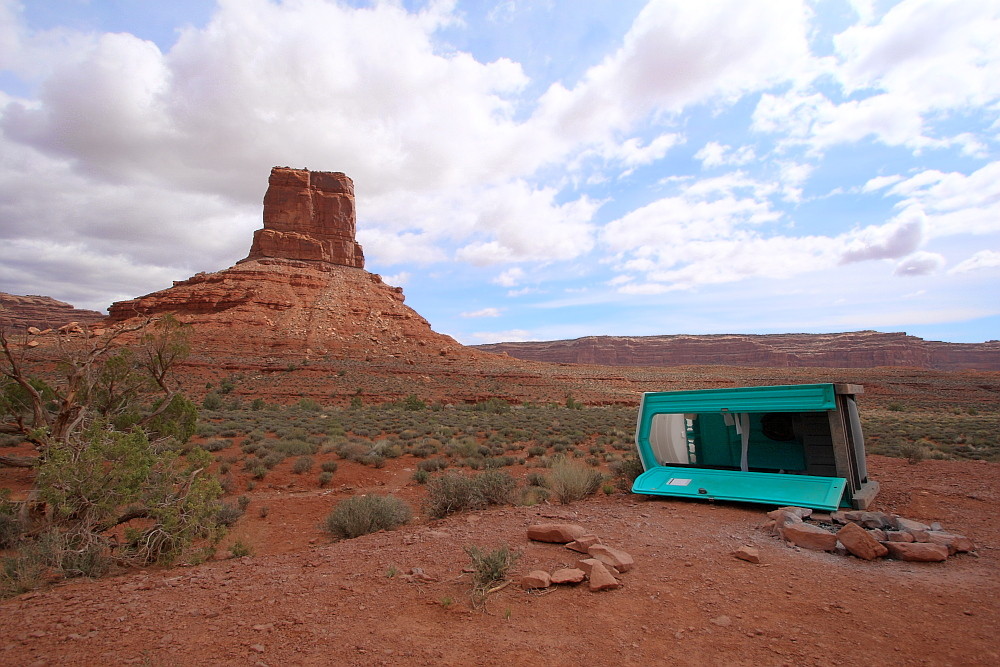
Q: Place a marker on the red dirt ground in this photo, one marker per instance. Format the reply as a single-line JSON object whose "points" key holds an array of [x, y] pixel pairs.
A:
{"points": [[304, 600]]}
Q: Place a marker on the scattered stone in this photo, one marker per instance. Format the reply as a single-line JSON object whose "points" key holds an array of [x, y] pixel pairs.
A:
{"points": [[587, 564], [898, 536], [801, 512], [568, 575], [918, 552], [936, 526], [616, 558], [838, 517], [556, 533], [955, 543], [601, 578], [857, 541], [722, 621], [583, 543], [869, 519], [879, 534], [822, 517], [259, 648], [536, 579], [917, 529], [809, 537], [749, 554]]}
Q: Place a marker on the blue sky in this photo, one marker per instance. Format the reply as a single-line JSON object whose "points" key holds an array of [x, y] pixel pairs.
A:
{"points": [[525, 170]]}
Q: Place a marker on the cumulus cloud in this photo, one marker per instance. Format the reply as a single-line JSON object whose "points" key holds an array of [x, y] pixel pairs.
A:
{"points": [[510, 277], [896, 239], [714, 154]]}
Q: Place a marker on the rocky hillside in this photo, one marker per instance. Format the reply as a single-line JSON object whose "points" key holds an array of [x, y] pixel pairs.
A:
{"points": [[20, 312], [859, 349]]}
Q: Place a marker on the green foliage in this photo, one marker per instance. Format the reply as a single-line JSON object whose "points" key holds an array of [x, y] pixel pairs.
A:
{"points": [[572, 481], [212, 401], [178, 420], [239, 549], [309, 405], [325, 478], [11, 528], [360, 515], [626, 471], [412, 403]]}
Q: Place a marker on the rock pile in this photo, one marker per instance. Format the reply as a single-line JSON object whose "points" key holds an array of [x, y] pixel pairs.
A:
{"points": [[867, 535], [600, 568]]}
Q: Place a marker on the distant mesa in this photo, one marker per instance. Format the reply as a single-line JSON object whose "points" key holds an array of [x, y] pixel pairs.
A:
{"points": [[856, 349], [41, 312], [308, 216]]}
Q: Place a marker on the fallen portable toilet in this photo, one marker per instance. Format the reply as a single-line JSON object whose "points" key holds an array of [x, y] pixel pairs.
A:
{"points": [[786, 445]]}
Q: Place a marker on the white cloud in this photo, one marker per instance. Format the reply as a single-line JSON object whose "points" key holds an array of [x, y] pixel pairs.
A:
{"points": [[898, 238], [484, 312], [398, 279], [919, 264], [714, 154], [510, 277], [984, 259], [955, 203], [510, 336]]}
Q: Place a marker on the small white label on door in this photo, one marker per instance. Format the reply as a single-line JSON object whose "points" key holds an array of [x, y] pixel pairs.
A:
{"points": [[678, 481]]}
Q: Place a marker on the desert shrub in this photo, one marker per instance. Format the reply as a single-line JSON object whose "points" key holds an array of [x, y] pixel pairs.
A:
{"points": [[421, 476], [532, 495], [489, 568], [212, 401], [625, 471], [302, 465], [536, 450], [215, 444], [536, 479], [412, 403], [309, 405], [272, 460], [914, 452], [293, 446], [573, 481], [325, 477], [228, 514], [360, 515], [11, 528], [239, 549], [329, 466], [432, 465], [22, 572], [496, 487], [450, 493]]}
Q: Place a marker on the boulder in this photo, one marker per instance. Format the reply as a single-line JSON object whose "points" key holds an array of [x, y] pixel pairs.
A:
{"points": [[568, 575], [809, 537], [536, 579], [601, 578], [616, 558], [556, 533], [955, 543], [749, 554], [897, 536], [919, 552], [583, 543], [915, 528], [587, 564], [857, 541], [801, 512], [869, 519]]}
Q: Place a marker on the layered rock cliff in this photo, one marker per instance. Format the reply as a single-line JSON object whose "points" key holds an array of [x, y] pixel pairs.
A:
{"points": [[20, 312], [860, 349], [308, 215]]}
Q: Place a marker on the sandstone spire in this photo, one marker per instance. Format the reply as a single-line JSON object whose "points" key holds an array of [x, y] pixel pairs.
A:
{"points": [[308, 215]]}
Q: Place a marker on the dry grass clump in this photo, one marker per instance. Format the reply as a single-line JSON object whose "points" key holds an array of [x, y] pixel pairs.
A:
{"points": [[572, 480], [360, 515]]}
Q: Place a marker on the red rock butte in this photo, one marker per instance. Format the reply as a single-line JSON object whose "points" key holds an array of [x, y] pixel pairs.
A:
{"points": [[301, 291], [309, 216]]}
